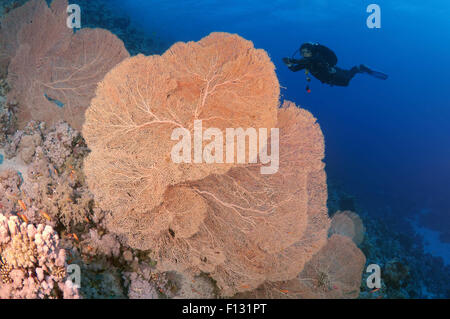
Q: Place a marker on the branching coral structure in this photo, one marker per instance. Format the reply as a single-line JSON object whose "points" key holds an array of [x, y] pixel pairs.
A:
{"points": [[244, 227], [227, 220], [221, 80], [53, 72], [334, 272]]}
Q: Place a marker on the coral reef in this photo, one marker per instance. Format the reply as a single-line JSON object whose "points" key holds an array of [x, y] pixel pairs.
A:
{"points": [[32, 263], [9, 190], [7, 117], [105, 244], [50, 188], [141, 289], [53, 72], [396, 274], [145, 283], [186, 286], [155, 229]]}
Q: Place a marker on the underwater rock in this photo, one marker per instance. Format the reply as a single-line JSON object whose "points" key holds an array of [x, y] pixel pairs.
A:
{"points": [[144, 280], [105, 244], [7, 118], [140, 288], [395, 274]]}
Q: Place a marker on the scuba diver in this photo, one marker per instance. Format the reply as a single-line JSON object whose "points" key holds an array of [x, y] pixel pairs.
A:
{"points": [[321, 62]]}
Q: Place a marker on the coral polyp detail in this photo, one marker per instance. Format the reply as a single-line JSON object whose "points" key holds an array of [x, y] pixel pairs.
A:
{"points": [[32, 263], [5, 270], [21, 252]]}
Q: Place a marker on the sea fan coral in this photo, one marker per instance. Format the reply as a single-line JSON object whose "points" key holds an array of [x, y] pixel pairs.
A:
{"points": [[334, 272], [11, 24], [53, 71], [221, 80], [32, 265], [236, 224], [254, 227], [348, 224]]}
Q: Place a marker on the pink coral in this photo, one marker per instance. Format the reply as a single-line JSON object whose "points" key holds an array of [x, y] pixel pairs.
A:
{"points": [[51, 65], [32, 264]]}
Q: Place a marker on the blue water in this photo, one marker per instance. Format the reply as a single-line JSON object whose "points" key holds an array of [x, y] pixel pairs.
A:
{"points": [[386, 141]]}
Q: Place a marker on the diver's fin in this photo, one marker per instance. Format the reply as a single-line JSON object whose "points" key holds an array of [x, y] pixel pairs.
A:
{"points": [[379, 75], [376, 74]]}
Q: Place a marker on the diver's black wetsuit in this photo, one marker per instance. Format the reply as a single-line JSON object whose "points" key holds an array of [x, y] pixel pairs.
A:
{"points": [[321, 70], [322, 65]]}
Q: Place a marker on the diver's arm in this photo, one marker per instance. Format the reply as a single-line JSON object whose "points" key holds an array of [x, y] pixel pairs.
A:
{"points": [[295, 65]]}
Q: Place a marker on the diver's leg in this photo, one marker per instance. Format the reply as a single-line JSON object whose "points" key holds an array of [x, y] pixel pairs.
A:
{"points": [[343, 77], [353, 71], [366, 69]]}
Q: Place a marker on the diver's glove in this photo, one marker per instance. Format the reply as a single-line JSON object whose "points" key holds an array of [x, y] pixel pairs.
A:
{"points": [[288, 62]]}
